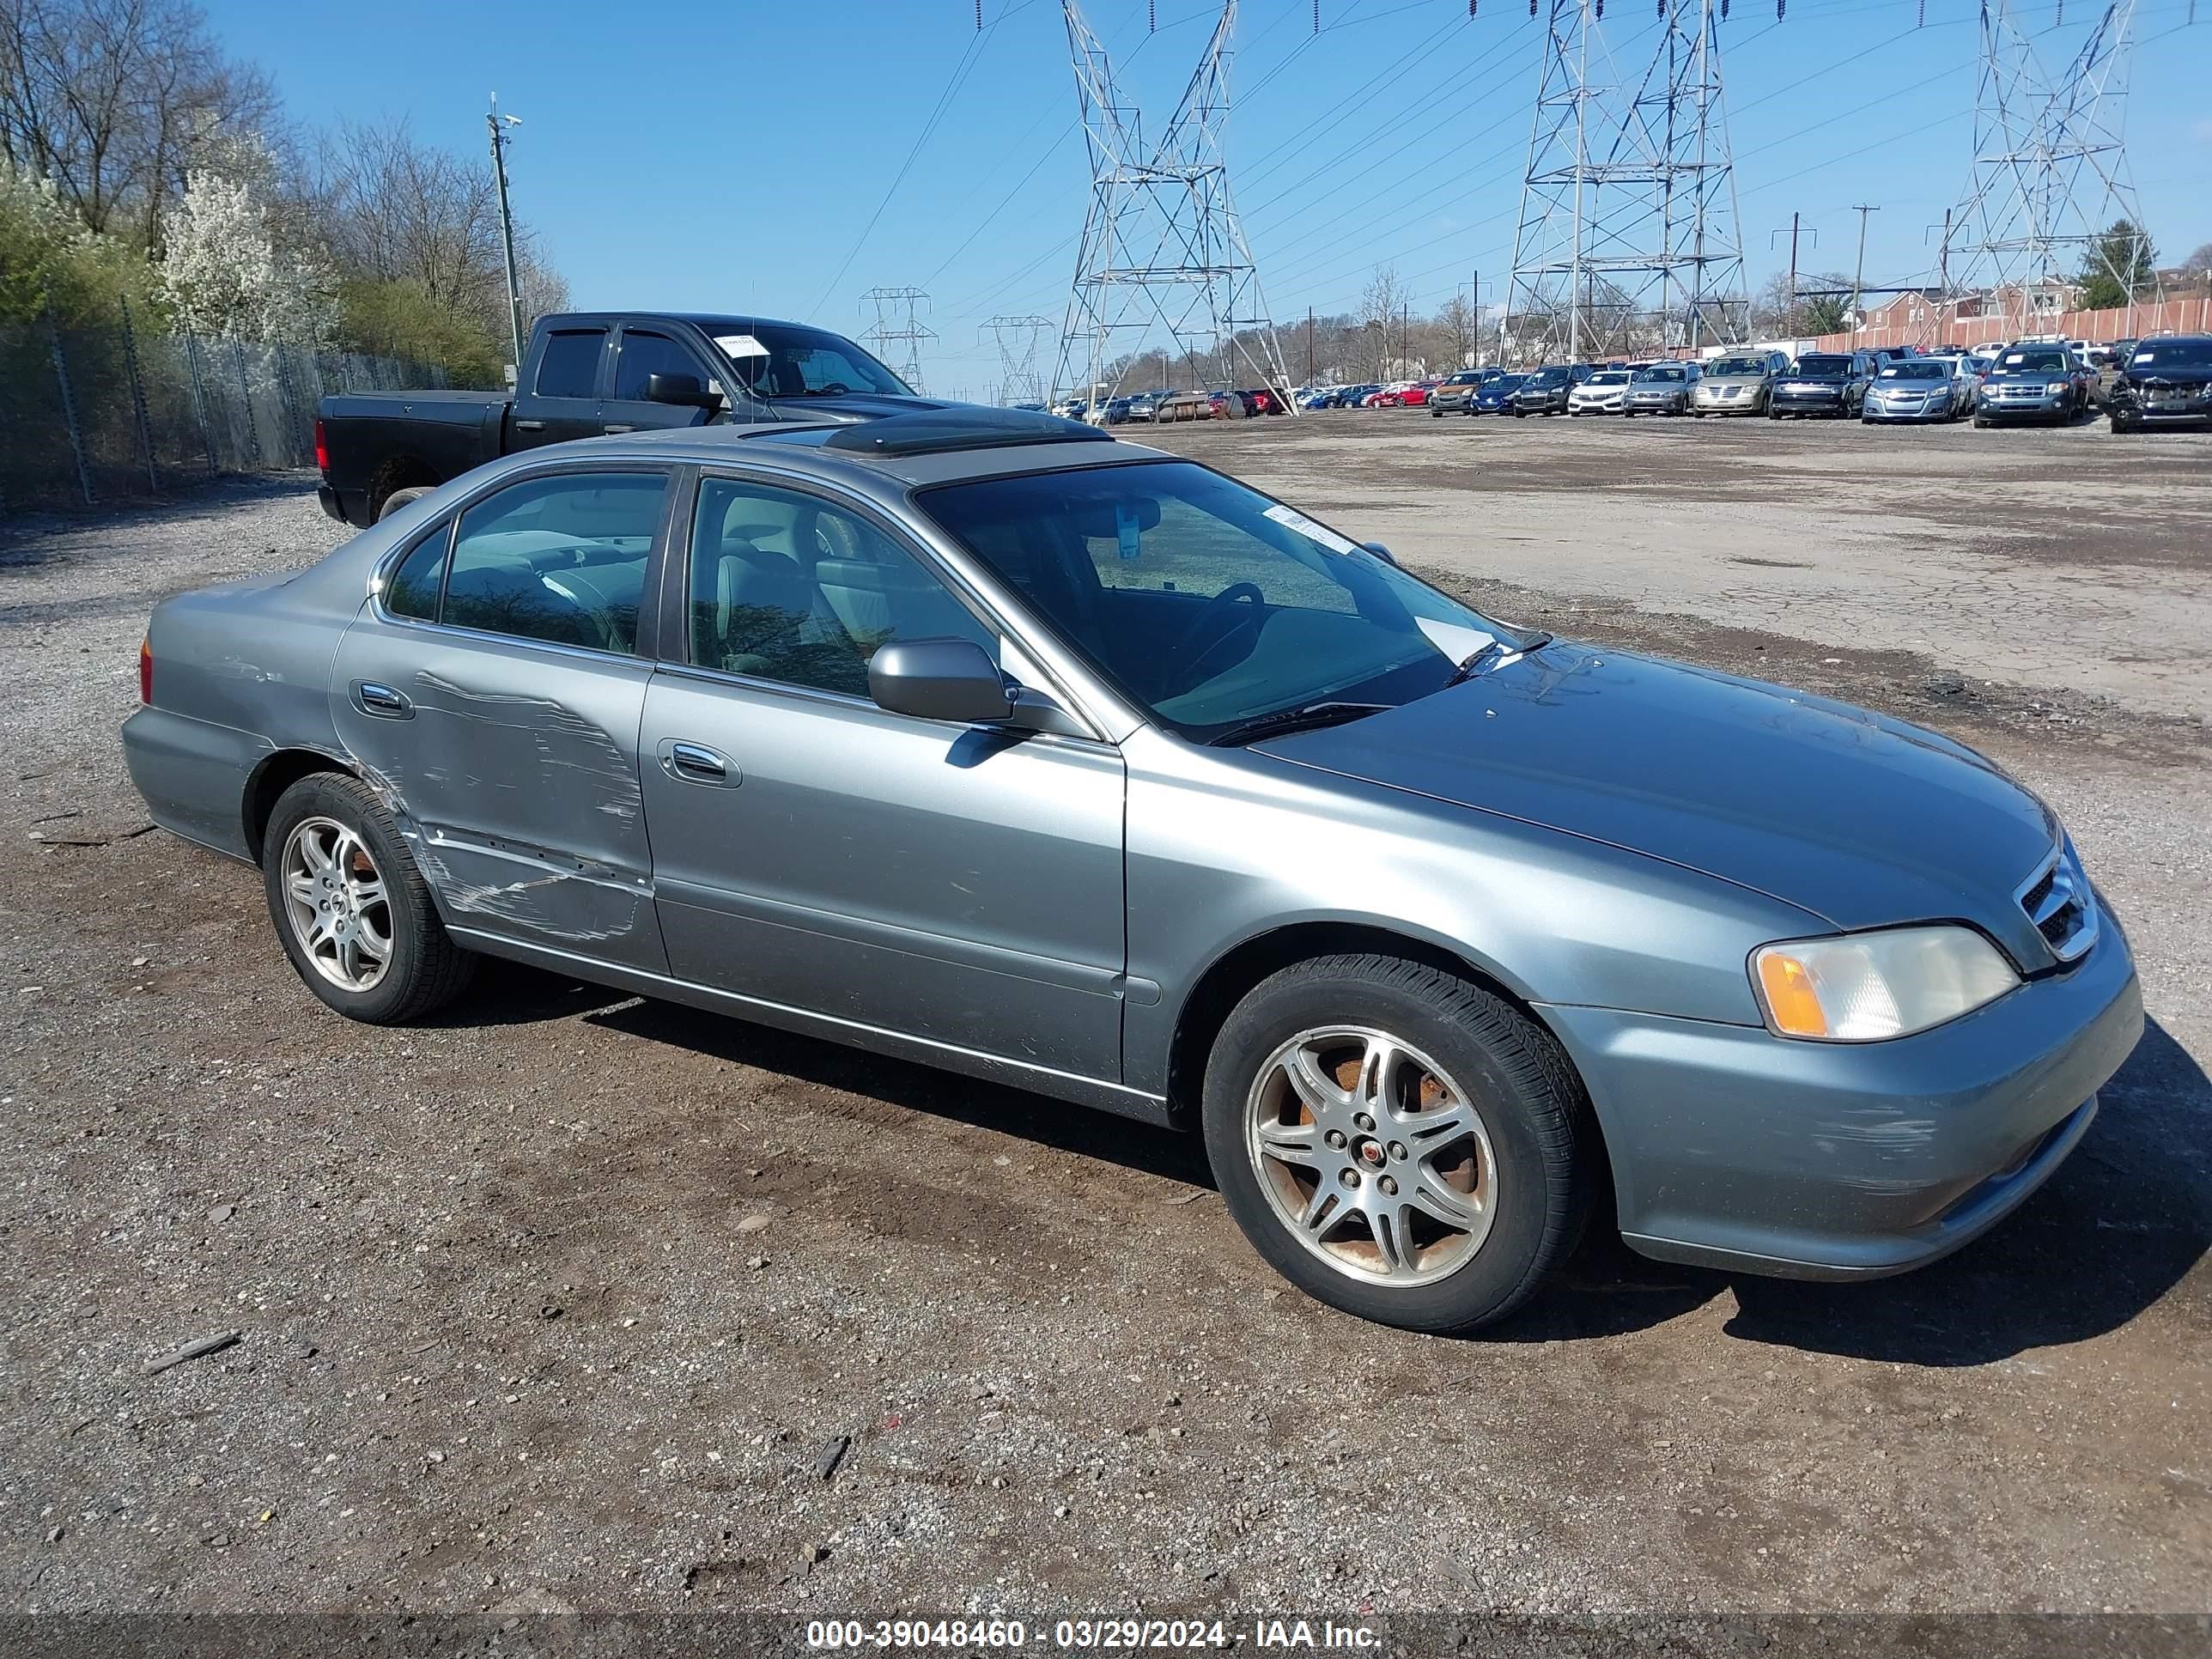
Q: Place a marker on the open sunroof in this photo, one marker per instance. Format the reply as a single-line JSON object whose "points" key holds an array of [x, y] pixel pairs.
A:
{"points": [[937, 431]]}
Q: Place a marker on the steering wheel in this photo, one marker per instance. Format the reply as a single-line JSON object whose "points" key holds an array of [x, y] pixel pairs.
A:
{"points": [[1209, 619], [831, 389]]}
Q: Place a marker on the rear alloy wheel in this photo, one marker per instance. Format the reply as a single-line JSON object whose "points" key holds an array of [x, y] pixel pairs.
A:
{"points": [[1398, 1142], [350, 908]]}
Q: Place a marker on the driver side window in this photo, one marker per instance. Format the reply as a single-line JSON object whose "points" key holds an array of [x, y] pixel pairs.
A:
{"points": [[787, 588]]}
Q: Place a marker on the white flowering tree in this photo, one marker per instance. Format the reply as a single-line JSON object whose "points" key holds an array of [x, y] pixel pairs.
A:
{"points": [[224, 269]]}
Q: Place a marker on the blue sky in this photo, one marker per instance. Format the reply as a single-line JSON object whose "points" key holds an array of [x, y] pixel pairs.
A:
{"points": [[745, 154]]}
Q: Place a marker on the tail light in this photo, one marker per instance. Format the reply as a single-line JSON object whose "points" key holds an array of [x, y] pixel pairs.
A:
{"points": [[322, 450], [146, 669]]}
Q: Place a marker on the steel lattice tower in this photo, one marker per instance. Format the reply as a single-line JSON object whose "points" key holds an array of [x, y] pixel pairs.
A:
{"points": [[2050, 173], [1162, 243], [1019, 340], [898, 324], [1628, 236]]}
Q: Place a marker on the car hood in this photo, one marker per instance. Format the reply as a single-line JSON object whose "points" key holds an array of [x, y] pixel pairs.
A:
{"points": [[1863, 820], [1815, 380], [1732, 379]]}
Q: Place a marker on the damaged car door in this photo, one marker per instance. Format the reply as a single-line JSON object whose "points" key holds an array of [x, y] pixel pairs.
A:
{"points": [[492, 687]]}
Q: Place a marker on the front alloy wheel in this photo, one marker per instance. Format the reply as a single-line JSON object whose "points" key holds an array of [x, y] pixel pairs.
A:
{"points": [[1397, 1141], [1372, 1155]]}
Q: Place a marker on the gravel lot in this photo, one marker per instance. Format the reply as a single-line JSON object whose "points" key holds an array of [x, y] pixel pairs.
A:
{"points": [[564, 1301]]}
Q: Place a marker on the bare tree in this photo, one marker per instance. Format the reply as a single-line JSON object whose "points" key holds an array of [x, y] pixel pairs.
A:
{"points": [[1459, 325], [115, 100], [1381, 303]]}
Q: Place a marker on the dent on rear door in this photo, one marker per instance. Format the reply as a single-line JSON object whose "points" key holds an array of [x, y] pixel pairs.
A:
{"points": [[514, 772]]}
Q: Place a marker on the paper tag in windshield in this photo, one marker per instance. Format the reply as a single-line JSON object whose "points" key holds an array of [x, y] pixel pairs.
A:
{"points": [[1291, 519], [740, 345], [1125, 532], [1456, 640]]}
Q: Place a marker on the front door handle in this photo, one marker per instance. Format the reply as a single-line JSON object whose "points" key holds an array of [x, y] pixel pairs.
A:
{"points": [[381, 701], [530, 425], [694, 762], [613, 427]]}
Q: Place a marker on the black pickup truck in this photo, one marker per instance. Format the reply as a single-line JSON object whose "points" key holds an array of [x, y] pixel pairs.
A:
{"points": [[588, 373]]}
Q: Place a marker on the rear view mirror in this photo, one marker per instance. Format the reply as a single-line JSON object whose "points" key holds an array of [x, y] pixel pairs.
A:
{"points": [[1103, 518], [684, 391], [939, 680]]}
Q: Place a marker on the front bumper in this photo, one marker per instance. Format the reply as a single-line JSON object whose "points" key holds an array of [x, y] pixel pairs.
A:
{"points": [[2020, 406], [1828, 400], [1916, 409], [1735, 1148], [2194, 407], [1598, 406], [1659, 402]]}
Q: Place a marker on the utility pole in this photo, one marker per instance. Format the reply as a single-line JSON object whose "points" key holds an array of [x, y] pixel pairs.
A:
{"points": [[1858, 272], [1474, 296], [1942, 267], [1309, 346], [1790, 319], [498, 125], [1406, 339]]}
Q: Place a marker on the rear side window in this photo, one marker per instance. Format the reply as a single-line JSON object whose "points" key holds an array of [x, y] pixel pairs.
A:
{"points": [[570, 365], [560, 559], [414, 588], [643, 354]]}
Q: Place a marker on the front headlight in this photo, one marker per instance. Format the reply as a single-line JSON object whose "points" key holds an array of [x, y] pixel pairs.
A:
{"points": [[2056, 387], [1866, 988]]}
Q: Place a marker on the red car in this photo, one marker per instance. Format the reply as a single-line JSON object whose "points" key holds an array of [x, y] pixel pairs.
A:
{"points": [[1414, 397]]}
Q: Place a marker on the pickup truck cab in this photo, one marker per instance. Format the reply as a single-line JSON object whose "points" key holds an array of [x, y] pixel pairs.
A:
{"points": [[586, 373]]}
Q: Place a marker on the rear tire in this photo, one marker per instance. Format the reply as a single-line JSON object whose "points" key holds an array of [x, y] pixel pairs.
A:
{"points": [[328, 924], [1475, 1170], [399, 498]]}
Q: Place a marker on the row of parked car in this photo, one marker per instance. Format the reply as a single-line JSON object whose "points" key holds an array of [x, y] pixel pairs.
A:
{"points": [[1164, 406], [2165, 378]]}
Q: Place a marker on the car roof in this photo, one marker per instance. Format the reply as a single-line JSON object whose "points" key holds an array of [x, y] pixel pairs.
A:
{"points": [[928, 446]]}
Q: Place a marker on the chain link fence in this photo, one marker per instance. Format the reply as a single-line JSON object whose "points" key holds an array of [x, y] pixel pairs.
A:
{"points": [[105, 413]]}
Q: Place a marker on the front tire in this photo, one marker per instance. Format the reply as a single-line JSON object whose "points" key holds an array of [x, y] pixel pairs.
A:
{"points": [[350, 908], [1398, 1142]]}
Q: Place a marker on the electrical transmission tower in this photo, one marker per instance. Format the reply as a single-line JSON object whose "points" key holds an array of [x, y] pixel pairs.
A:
{"points": [[1019, 341], [1628, 238], [2050, 175], [1162, 244], [898, 324]]}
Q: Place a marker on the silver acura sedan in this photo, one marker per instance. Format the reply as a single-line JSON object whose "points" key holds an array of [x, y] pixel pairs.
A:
{"points": [[981, 738]]}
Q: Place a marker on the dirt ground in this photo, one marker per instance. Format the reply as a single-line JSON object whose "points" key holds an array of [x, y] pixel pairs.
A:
{"points": [[568, 1300]]}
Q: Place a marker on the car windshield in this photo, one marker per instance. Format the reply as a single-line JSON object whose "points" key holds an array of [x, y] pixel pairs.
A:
{"points": [[1663, 372], [2033, 362], [1549, 377], [1921, 369], [1736, 365], [1608, 377], [1468, 378], [1821, 366], [777, 360], [2154, 354], [1207, 603]]}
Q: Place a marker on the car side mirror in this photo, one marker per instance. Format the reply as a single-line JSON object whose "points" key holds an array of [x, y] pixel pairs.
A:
{"points": [[1380, 552], [684, 391], [939, 680]]}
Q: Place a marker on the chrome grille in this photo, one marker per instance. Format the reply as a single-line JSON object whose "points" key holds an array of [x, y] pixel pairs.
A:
{"points": [[2058, 902]]}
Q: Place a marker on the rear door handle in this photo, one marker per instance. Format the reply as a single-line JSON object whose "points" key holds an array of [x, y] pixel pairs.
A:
{"points": [[694, 762], [381, 701], [530, 425], [613, 427]]}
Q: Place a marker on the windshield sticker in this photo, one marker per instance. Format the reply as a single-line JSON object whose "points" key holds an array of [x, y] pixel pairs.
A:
{"points": [[1291, 519], [740, 345], [1125, 530], [2144, 356], [1456, 640]]}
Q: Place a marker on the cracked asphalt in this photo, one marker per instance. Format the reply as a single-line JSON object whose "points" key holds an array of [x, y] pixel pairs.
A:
{"points": [[566, 1300]]}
